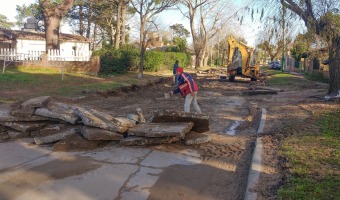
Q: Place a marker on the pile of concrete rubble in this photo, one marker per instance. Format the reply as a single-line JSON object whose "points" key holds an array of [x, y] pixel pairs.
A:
{"points": [[71, 127]]}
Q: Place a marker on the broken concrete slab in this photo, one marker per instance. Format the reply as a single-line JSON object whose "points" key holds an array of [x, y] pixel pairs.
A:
{"points": [[178, 129], [36, 102], [56, 137], [13, 134], [4, 136], [60, 111], [133, 117], [23, 112], [25, 126], [91, 133], [49, 130], [125, 122], [6, 116], [98, 119], [2, 129], [200, 120], [196, 138], [75, 143], [141, 141]]}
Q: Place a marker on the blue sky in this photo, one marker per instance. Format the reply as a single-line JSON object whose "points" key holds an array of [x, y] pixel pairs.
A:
{"points": [[169, 18]]}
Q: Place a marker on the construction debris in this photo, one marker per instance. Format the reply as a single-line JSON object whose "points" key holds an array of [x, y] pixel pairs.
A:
{"points": [[192, 138], [161, 129], [201, 121], [71, 127], [141, 141], [256, 90]]}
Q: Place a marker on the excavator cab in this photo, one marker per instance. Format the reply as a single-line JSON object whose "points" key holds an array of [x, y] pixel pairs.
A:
{"points": [[241, 61]]}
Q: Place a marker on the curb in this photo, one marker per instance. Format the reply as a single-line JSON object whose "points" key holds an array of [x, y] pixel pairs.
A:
{"points": [[256, 162]]}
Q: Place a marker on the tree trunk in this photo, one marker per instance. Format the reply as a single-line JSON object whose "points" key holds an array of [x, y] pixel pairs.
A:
{"points": [[334, 67], [52, 33], [123, 27], [89, 22], [94, 44], [142, 47], [118, 24], [112, 35], [81, 20], [53, 14]]}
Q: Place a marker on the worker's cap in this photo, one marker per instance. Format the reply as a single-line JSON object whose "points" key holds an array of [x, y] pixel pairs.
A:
{"points": [[179, 69]]}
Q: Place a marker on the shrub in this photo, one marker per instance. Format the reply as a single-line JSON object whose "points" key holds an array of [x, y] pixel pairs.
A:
{"points": [[117, 61], [157, 61]]}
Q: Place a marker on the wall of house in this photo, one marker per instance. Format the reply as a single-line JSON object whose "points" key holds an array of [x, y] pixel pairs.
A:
{"points": [[66, 48], [25, 46], [74, 48]]}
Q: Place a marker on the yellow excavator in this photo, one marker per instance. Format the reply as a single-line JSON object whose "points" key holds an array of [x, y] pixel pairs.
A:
{"points": [[241, 61]]}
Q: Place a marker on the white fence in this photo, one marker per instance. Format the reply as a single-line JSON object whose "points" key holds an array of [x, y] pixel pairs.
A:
{"points": [[8, 54]]}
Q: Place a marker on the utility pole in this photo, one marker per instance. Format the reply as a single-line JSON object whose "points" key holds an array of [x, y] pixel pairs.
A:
{"points": [[283, 64]]}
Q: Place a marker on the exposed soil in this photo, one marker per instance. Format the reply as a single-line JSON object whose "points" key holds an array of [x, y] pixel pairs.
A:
{"points": [[226, 159]]}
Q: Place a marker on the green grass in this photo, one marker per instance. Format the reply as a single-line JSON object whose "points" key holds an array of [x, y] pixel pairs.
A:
{"points": [[313, 160], [21, 83], [285, 79], [317, 78]]}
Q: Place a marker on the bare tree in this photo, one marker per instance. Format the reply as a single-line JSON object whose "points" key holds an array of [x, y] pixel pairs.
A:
{"points": [[118, 23], [320, 17], [147, 10], [53, 14], [210, 16], [123, 23]]}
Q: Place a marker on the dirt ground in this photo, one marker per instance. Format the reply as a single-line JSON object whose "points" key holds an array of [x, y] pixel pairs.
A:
{"points": [[226, 159]]}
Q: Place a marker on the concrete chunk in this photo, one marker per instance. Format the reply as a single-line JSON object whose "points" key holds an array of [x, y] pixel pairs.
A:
{"points": [[99, 119], [25, 126], [200, 120], [178, 129], [60, 111], [6, 116], [196, 138], [23, 112], [49, 130], [2, 129], [36, 102], [75, 143], [91, 133], [56, 137], [4, 136], [140, 141], [13, 134], [125, 122]]}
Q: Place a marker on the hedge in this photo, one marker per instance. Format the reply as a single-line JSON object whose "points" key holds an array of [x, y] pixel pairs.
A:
{"points": [[119, 61]]}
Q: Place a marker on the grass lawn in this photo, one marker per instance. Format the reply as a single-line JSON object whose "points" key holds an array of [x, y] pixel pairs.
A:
{"points": [[21, 83], [313, 159]]}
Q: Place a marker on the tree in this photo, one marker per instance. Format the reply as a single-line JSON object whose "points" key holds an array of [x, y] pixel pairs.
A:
{"points": [[206, 20], [4, 23], [53, 14], [272, 50], [300, 47], [181, 44], [31, 10], [147, 10], [180, 31], [320, 17]]}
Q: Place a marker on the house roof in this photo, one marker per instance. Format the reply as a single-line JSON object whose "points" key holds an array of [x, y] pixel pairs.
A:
{"points": [[6, 36]]}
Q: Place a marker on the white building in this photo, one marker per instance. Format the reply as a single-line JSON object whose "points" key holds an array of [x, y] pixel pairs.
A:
{"points": [[33, 43]]}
